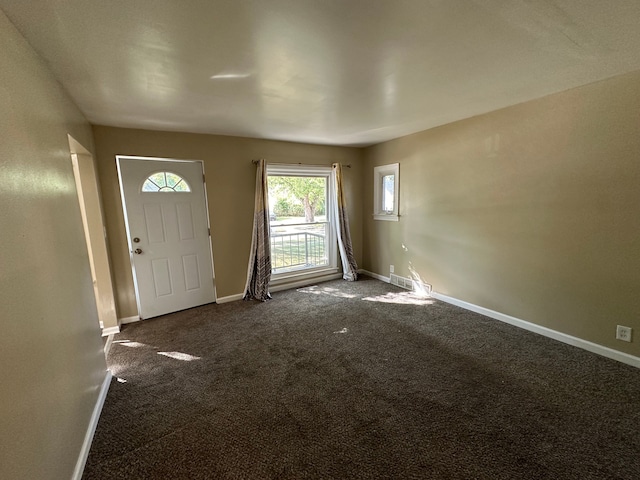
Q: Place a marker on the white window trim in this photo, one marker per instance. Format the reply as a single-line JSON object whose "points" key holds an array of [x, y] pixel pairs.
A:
{"points": [[311, 171], [378, 174]]}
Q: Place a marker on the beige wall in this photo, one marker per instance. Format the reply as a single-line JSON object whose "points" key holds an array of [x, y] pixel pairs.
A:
{"points": [[532, 211], [230, 178], [50, 349]]}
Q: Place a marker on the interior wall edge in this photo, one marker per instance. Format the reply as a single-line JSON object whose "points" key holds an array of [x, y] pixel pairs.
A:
{"points": [[91, 428]]}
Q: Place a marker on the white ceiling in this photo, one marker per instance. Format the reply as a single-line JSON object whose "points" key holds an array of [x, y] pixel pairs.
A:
{"points": [[343, 72]]}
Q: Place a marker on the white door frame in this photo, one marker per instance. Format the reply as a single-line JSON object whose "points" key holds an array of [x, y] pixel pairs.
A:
{"points": [[130, 247]]}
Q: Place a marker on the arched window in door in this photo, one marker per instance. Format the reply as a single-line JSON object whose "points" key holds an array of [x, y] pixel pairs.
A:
{"points": [[165, 182]]}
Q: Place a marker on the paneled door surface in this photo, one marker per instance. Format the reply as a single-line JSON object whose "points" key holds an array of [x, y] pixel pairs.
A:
{"points": [[168, 234]]}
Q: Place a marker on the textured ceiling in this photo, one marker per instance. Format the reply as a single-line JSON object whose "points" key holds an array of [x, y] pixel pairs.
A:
{"points": [[343, 72]]}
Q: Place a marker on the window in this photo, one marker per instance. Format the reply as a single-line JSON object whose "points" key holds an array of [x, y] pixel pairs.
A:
{"points": [[301, 207], [388, 192], [165, 182], [385, 192]]}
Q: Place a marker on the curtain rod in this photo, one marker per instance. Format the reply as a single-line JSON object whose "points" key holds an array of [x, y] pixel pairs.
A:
{"points": [[255, 162]]}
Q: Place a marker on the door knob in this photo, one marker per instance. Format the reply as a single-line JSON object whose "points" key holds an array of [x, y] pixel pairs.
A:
{"points": [[137, 251]]}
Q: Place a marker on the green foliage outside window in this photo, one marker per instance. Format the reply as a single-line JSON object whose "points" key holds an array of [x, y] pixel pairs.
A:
{"points": [[309, 191]]}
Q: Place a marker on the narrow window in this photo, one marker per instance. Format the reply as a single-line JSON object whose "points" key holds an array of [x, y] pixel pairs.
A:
{"points": [[385, 192], [388, 191], [165, 182]]}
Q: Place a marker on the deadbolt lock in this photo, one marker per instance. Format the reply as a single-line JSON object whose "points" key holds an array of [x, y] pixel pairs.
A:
{"points": [[136, 240]]}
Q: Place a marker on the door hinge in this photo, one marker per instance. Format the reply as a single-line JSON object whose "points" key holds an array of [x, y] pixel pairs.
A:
{"points": [[203, 178], [209, 230]]}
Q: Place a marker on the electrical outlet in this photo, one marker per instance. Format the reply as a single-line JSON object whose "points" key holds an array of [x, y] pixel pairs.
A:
{"points": [[391, 268], [623, 333]]}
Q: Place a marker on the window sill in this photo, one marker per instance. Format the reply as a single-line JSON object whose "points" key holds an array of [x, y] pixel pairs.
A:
{"points": [[384, 216], [293, 277]]}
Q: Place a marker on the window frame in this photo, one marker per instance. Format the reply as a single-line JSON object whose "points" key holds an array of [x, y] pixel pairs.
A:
{"points": [[378, 175], [295, 170]]}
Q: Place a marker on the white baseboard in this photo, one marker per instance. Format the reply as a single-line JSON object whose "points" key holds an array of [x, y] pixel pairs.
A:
{"points": [[375, 275], [91, 429], [532, 327], [110, 331], [230, 298], [305, 282], [134, 318], [547, 332], [107, 345]]}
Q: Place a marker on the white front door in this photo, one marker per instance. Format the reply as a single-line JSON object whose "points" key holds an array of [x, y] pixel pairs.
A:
{"points": [[168, 234]]}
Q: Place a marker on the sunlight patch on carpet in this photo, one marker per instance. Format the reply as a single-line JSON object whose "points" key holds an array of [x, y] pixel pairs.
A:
{"points": [[128, 343], [185, 357], [402, 298], [333, 292]]}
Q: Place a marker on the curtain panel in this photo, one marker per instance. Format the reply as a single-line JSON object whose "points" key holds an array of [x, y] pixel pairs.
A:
{"points": [[259, 270], [349, 266]]}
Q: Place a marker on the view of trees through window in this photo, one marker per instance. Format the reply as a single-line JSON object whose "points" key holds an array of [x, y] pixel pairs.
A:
{"points": [[298, 220]]}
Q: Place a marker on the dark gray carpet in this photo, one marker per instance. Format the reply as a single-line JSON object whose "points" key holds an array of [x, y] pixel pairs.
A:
{"points": [[354, 381]]}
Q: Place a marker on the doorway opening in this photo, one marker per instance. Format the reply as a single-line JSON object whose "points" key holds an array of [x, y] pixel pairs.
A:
{"points": [[95, 235]]}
